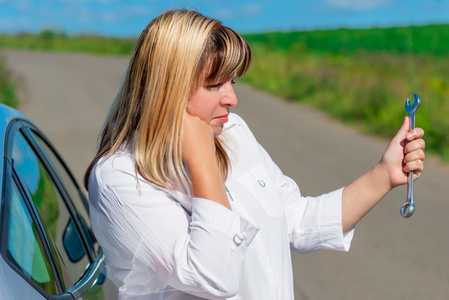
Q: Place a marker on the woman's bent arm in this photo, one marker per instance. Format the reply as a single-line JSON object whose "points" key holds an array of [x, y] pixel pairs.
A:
{"points": [[198, 153]]}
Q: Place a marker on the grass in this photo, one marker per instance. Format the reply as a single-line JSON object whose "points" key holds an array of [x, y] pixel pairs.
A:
{"points": [[8, 87], [414, 39]]}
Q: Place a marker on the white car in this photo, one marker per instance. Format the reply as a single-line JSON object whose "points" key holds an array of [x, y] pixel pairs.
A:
{"points": [[47, 249]]}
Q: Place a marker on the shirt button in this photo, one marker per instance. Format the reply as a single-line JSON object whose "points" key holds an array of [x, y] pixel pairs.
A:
{"points": [[238, 239]]}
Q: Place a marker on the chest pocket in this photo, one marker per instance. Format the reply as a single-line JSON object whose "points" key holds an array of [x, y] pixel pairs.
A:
{"points": [[259, 184]]}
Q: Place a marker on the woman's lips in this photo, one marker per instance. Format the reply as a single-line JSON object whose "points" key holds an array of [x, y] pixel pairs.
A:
{"points": [[223, 118]]}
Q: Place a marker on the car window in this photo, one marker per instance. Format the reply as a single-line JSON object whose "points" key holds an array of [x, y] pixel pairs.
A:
{"points": [[24, 246], [52, 210], [72, 190]]}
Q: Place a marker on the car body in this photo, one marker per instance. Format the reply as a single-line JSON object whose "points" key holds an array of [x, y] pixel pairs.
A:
{"points": [[47, 249]]}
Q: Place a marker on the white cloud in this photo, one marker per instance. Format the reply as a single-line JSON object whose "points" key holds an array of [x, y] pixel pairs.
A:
{"points": [[124, 15], [16, 25], [251, 9], [245, 11], [357, 5], [85, 17], [24, 5], [90, 1]]}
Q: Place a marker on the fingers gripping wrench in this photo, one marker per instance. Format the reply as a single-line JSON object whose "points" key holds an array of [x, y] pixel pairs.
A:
{"points": [[408, 208]]}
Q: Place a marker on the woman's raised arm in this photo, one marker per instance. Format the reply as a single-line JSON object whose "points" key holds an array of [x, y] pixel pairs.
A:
{"points": [[405, 153]]}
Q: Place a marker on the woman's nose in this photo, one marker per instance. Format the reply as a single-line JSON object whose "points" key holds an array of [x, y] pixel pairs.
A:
{"points": [[229, 97]]}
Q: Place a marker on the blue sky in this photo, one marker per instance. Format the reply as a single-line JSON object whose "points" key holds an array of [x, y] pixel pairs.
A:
{"points": [[127, 18]]}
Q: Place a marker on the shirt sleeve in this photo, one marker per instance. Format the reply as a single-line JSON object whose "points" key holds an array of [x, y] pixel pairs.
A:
{"points": [[319, 226], [198, 252]]}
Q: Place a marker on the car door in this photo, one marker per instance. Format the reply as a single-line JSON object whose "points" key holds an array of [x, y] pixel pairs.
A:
{"points": [[46, 222]]}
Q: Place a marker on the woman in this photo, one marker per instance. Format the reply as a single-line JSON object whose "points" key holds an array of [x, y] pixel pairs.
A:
{"points": [[183, 200]]}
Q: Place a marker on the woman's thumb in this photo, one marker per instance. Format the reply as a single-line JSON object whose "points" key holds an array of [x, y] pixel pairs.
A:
{"points": [[403, 131]]}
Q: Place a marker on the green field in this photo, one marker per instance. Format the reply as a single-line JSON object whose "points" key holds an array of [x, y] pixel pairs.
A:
{"points": [[359, 76]]}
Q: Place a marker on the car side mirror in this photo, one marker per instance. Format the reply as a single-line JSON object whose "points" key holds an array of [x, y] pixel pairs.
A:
{"points": [[72, 242]]}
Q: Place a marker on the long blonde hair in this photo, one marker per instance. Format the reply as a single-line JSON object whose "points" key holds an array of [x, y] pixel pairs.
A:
{"points": [[176, 53]]}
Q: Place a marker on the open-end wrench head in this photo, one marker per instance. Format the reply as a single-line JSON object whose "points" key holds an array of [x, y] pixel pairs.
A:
{"points": [[412, 108]]}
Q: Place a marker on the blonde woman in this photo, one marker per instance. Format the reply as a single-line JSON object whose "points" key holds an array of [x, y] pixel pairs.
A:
{"points": [[185, 203]]}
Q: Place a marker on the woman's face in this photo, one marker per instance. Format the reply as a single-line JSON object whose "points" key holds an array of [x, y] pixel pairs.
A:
{"points": [[211, 103]]}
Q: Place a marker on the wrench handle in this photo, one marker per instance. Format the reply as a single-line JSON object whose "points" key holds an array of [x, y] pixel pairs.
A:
{"points": [[412, 120], [410, 188], [408, 208], [410, 174]]}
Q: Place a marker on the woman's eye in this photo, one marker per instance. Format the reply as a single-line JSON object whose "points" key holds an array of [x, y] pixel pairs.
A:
{"points": [[214, 86], [218, 85]]}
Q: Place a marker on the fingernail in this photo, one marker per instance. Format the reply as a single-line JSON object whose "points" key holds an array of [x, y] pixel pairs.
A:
{"points": [[410, 136]]}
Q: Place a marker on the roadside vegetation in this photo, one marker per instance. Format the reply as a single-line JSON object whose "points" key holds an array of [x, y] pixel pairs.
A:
{"points": [[359, 76], [8, 86], [51, 40]]}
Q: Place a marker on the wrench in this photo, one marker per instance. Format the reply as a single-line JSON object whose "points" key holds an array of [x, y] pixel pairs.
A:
{"points": [[408, 208]]}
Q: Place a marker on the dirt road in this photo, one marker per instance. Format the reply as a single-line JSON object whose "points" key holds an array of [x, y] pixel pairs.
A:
{"points": [[68, 95]]}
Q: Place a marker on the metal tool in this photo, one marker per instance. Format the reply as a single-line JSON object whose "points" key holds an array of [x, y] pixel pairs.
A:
{"points": [[408, 208]]}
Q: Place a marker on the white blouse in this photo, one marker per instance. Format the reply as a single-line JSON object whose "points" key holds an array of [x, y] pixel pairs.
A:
{"points": [[162, 244]]}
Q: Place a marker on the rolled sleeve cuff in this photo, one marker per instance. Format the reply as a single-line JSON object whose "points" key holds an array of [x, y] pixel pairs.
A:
{"points": [[321, 227], [220, 219], [334, 238]]}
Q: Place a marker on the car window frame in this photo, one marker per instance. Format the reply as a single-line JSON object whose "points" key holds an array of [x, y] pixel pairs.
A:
{"points": [[48, 252], [18, 182], [46, 161], [96, 260]]}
